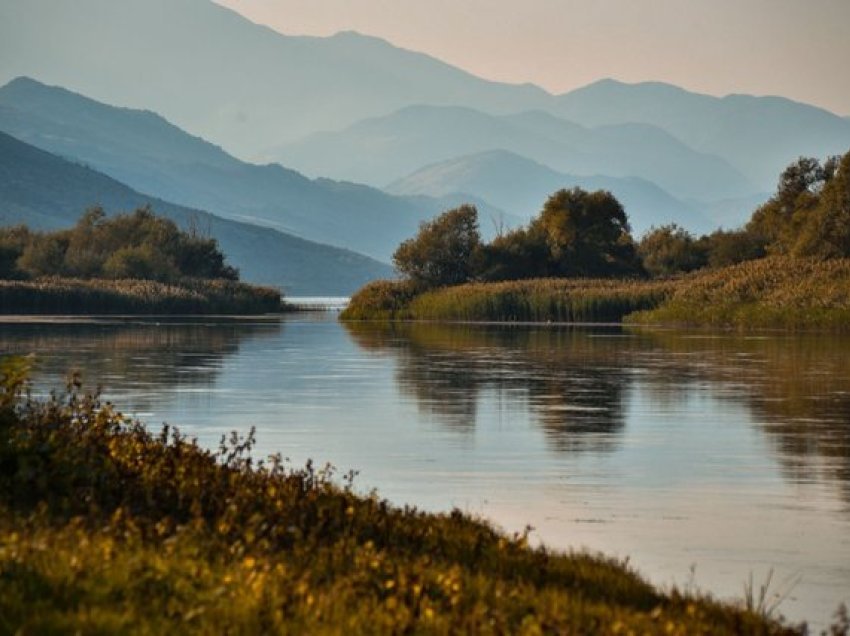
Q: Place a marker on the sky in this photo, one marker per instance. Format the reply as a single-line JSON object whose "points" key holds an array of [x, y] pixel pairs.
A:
{"points": [[794, 48]]}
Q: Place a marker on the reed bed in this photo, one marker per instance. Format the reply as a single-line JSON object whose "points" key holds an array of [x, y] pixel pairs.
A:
{"points": [[108, 528], [99, 296], [769, 293], [776, 292], [538, 300]]}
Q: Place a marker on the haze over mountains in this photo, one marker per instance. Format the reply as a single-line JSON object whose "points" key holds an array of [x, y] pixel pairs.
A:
{"points": [[48, 192], [521, 184], [199, 86], [383, 149], [148, 153]]}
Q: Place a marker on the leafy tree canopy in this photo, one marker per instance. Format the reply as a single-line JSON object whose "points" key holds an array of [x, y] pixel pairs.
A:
{"points": [[443, 251], [137, 245]]}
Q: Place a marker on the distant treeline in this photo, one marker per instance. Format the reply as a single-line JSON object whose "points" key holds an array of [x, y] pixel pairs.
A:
{"points": [[136, 263], [139, 245], [583, 238], [587, 234]]}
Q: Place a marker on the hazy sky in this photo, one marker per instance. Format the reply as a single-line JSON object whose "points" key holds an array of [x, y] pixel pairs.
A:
{"points": [[796, 48]]}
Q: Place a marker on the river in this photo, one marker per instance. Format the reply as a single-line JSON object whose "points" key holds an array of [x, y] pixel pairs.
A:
{"points": [[706, 459]]}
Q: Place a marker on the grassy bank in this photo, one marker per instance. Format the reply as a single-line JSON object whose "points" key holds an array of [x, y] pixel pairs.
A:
{"points": [[107, 528], [537, 300], [96, 296], [777, 292]]}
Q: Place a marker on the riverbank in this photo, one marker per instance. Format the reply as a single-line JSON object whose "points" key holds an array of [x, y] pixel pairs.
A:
{"points": [[108, 528], [67, 296], [776, 292]]}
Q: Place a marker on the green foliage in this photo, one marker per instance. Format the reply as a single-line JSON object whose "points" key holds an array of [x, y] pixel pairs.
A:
{"points": [[825, 233], [587, 234], [139, 245], [107, 528], [808, 215], [730, 247], [577, 233], [669, 250], [381, 300], [13, 240], [521, 253], [442, 252]]}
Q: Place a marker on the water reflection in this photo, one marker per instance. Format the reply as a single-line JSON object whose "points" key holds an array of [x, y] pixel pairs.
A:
{"points": [[572, 385], [797, 387], [672, 448], [175, 355], [576, 382]]}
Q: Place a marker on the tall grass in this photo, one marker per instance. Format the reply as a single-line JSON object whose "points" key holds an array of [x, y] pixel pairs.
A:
{"points": [[191, 296], [539, 300], [108, 528], [776, 292]]}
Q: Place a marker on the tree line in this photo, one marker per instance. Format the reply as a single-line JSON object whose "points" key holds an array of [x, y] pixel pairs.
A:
{"points": [[136, 245], [587, 234]]}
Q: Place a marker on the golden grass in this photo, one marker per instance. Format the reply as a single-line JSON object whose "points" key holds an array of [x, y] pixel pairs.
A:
{"points": [[55, 295], [776, 292]]}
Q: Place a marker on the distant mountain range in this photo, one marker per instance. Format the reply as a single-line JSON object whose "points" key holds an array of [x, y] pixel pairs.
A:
{"points": [[149, 154], [48, 192], [522, 185], [387, 148], [249, 89], [356, 108], [220, 76], [757, 135]]}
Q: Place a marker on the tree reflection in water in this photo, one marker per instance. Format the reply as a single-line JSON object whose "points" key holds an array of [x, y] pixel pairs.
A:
{"points": [[142, 354], [572, 385], [575, 382]]}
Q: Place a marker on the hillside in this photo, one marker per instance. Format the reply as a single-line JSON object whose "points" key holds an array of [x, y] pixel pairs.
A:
{"points": [[522, 185], [408, 139], [757, 135], [49, 192], [151, 155], [251, 86], [254, 88]]}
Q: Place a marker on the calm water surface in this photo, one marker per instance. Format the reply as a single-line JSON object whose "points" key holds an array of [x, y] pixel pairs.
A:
{"points": [[703, 458]]}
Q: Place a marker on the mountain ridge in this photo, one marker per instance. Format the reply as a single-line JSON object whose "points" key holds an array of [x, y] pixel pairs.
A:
{"points": [[49, 192], [522, 186], [159, 158]]}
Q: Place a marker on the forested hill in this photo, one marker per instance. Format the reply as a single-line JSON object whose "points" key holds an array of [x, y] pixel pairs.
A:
{"points": [[46, 191]]}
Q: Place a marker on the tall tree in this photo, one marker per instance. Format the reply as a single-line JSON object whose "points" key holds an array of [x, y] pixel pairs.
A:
{"points": [[587, 234], [443, 251]]}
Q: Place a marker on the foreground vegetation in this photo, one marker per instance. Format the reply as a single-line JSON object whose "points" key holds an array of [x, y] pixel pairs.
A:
{"points": [[107, 528]]}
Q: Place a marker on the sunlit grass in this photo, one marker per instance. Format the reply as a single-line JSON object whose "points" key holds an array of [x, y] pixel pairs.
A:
{"points": [[777, 292]]}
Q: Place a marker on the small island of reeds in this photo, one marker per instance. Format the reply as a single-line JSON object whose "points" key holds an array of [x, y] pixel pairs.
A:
{"points": [[135, 263], [106, 527], [788, 268]]}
